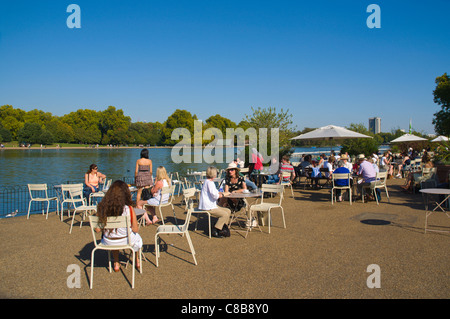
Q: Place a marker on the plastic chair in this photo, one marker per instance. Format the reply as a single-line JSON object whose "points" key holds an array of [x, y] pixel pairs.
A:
{"points": [[165, 190], [65, 188], [379, 183], [113, 223], [176, 229], [336, 176], [267, 207], [41, 189], [84, 209]]}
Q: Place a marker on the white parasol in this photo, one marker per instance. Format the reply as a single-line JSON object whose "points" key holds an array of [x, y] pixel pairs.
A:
{"points": [[408, 138], [440, 139], [331, 132]]}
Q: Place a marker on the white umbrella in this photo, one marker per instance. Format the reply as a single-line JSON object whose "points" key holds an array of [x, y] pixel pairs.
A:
{"points": [[408, 138], [440, 139], [330, 132]]}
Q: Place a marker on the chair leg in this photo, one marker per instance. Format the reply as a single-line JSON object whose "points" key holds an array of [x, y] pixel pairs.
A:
{"points": [[133, 270], [191, 247], [71, 225], [29, 208], [92, 269], [156, 249]]}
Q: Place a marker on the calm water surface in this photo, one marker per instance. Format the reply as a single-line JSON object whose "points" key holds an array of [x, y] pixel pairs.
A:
{"points": [[53, 166]]}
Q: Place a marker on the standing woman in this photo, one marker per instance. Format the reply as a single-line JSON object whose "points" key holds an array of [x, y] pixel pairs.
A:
{"points": [[143, 173], [117, 202], [91, 180]]}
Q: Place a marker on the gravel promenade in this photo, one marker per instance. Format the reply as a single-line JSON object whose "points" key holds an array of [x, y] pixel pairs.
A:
{"points": [[324, 253]]}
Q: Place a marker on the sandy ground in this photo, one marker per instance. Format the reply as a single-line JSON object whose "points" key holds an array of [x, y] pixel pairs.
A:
{"points": [[324, 253]]}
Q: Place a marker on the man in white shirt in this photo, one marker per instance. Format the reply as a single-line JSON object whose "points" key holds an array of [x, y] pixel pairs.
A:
{"points": [[208, 201]]}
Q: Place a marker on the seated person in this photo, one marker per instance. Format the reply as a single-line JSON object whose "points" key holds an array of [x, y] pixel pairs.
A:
{"points": [[91, 180], [286, 167], [405, 162], [366, 171], [117, 202], [162, 180], [208, 201], [341, 182], [274, 171], [328, 164], [234, 183]]}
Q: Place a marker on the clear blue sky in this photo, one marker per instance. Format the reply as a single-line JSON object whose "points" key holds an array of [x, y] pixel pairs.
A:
{"points": [[316, 58]]}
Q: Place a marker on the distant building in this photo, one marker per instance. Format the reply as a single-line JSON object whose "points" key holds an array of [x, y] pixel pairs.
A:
{"points": [[375, 125]]}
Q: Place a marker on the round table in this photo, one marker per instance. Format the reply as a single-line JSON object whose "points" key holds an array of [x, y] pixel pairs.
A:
{"points": [[244, 195], [435, 191]]}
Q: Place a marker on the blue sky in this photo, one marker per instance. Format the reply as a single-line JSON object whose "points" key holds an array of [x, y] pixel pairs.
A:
{"points": [[317, 59]]}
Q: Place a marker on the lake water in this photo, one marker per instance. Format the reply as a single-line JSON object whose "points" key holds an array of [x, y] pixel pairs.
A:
{"points": [[53, 166]]}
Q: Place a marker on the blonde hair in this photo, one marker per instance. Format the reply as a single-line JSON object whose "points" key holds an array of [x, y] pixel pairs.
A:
{"points": [[211, 172], [161, 174]]}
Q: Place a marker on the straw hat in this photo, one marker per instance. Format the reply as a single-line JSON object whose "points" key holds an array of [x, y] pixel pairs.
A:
{"points": [[233, 165], [361, 156], [344, 157]]}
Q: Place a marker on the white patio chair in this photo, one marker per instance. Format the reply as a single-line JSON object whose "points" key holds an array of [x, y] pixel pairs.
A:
{"points": [[336, 176], [165, 190], [176, 181], [176, 229], [101, 193], [65, 188], [38, 190], [84, 208], [267, 207], [188, 196], [379, 183], [113, 223], [286, 181]]}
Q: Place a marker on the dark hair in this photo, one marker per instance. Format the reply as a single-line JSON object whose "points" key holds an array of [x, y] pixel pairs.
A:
{"points": [[91, 167], [144, 153], [115, 199]]}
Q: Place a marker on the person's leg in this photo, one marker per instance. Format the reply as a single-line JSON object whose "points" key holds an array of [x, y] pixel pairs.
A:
{"points": [[223, 215], [115, 254]]}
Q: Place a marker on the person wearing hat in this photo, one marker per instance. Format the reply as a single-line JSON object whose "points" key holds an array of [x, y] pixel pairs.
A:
{"points": [[234, 183], [347, 164]]}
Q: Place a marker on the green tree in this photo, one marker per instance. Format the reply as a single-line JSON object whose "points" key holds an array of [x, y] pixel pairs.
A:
{"points": [[30, 133], [269, 118], [178, 119], [12, 119], [114, 126], [85, 125], [441, 95]]}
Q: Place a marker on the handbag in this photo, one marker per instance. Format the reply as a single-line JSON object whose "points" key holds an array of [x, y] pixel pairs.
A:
{"points": [[146, 194]]}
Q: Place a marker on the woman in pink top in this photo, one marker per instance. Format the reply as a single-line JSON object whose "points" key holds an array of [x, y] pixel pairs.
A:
{"points": [[91, 180]]}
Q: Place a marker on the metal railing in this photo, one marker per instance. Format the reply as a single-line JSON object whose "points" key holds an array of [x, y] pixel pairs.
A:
{"points": [[14, 200]]}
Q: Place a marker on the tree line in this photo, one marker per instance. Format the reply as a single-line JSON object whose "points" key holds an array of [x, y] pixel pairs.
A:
{"points": [[112, 126]]}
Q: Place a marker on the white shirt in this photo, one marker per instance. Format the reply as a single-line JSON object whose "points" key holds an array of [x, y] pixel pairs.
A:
{"points": [[208, 196]]}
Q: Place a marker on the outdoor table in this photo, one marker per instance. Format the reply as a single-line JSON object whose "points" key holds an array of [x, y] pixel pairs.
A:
{"points": [[435, 191], [245, 196]]}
